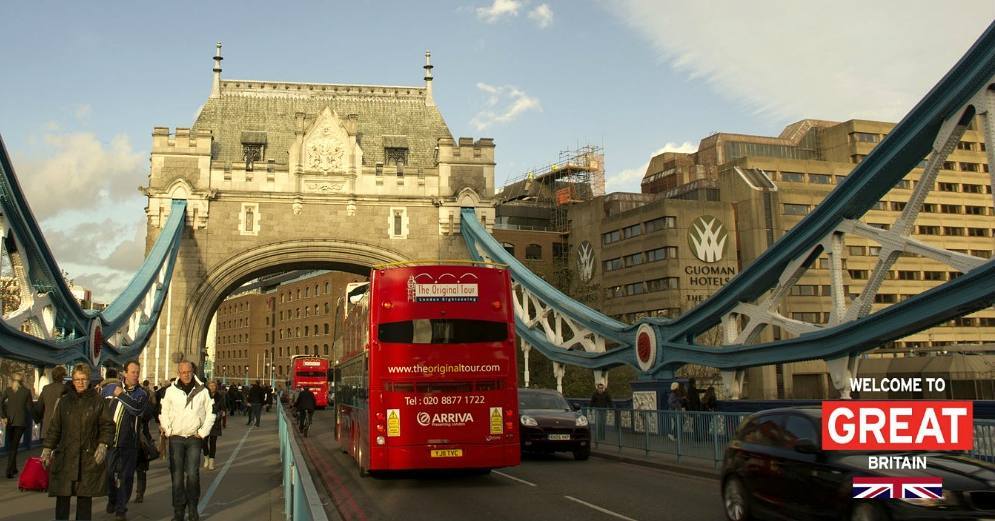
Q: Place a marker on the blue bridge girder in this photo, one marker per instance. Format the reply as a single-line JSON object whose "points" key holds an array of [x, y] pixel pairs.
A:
{"points": [[62, 329], [966, 90]]}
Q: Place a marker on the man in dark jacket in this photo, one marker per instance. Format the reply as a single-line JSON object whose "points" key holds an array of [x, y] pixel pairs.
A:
{"points": [[15, 407], [129, 406], [694, 399], [601, 399], [256, 399], [305, 404], [49, 396]]}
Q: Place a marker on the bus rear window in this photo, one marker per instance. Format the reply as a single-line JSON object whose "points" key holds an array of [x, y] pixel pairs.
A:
{"points": [[312, 374], [443, 331]]}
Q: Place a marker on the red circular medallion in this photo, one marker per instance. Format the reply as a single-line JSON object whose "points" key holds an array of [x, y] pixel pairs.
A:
{"points": [[643, 347], [96, 340]]}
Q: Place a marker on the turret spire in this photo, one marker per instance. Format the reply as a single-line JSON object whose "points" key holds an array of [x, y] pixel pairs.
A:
{"points": [[216, 82], [428, 79]]}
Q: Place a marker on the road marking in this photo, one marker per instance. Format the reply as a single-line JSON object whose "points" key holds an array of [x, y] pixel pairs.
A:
{"points": [[599, 509], [221, 475], [502, 474]]}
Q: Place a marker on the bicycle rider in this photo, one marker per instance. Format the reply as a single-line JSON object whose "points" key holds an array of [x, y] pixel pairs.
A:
{"points": [[304, 405]]}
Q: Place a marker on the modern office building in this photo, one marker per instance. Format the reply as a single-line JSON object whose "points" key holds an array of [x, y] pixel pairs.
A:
{"points": [[702, 217]]}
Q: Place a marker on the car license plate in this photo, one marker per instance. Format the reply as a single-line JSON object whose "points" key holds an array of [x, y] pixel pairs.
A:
{"points": [[559, 437], [447, 453]]}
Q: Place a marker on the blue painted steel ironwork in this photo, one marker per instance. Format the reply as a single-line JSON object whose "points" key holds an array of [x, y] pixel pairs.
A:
{"points": [[903, 148], [300, 496], [72, 324]]}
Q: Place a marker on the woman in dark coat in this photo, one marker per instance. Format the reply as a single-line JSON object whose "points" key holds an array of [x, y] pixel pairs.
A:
{"points": [[75, 447], [218, 408]]}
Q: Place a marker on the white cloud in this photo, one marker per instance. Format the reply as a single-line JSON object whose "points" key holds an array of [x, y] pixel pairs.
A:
{"points": [[499, 9], [80, 172], [847, 59], [542, 15], [504, 104], [83, 112], [628, 180]]}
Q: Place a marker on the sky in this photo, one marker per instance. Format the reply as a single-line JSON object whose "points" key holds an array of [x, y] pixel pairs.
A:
{"points": [[85, 82]]}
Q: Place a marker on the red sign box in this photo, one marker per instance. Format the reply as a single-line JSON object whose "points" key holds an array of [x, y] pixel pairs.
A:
{"points": [[898, 425]]}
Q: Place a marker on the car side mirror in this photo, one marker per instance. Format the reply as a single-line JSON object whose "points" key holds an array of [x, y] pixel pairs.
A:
{"points": [[806, 446]]}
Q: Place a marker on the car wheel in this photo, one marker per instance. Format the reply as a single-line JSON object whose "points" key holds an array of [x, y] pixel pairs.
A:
{"points": [[582, 453], [736, 500], [866, 511]]}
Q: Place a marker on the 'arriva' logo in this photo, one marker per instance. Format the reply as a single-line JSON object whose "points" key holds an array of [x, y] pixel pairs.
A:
{"points": [[707, 237]]}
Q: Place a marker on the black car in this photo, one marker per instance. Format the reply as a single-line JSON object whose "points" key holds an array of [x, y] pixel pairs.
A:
{"points": [[774, 469], [549, 424]]}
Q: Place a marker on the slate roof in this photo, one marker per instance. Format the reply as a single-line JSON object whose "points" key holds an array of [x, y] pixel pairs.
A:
{"points": [[388, 116]]}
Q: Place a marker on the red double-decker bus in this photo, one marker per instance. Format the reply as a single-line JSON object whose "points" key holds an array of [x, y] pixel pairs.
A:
{"points": [[425, 376], [310, 372]]}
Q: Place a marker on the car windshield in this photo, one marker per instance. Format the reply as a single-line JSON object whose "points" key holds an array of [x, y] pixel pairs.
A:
{"points": [[542, 401]]}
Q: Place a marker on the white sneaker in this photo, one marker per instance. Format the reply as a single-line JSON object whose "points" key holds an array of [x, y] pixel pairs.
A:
{"points": [[205, 462], [210, 463]]}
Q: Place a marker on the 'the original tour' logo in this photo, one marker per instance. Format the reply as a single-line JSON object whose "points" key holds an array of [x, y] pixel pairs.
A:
{"points": [[707, 237]]}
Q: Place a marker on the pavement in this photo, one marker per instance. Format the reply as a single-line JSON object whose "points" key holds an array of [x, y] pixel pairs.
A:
{"points": [[244, 486]]}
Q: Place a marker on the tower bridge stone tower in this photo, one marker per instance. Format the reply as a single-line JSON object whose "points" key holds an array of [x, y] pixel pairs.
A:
{"points": [[282, 176]]}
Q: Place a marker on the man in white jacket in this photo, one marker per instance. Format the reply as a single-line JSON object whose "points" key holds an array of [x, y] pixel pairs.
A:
{"points": [[186, 419]]}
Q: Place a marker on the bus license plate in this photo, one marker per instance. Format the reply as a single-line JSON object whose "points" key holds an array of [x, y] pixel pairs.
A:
{"points": [[447, 453], [559, 437]]}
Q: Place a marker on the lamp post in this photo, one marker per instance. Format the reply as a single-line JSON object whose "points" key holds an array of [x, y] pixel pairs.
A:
{"points": [[246, 375], [224, 375]]}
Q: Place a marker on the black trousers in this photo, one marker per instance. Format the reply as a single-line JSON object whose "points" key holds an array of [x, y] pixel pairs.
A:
{"points": [[210, 446], [84, 507], [13, 441]]}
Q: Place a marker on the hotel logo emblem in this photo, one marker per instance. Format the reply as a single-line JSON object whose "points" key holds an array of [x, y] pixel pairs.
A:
{"points": [[707, 237]]}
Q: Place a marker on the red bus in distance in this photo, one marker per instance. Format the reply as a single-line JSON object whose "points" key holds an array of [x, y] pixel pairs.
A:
{"points": [[425, 374], [312, 373]]}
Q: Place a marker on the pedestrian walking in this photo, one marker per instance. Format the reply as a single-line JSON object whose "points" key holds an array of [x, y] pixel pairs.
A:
{"points": [[693, 396], [239, 400], [269, 398], [145, 456], [256, 399], [129, 405], [222, 399], [49, 396], [600, 401], [218, 409], [186, 420], [75, 447], [15, 417], [675, 402]]}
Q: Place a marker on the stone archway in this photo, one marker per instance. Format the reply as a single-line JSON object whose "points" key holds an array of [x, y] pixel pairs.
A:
{"points": [[338, 255]]}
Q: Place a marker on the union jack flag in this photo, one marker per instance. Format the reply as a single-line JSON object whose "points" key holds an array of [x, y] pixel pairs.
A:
{"points": [[895, 488]]}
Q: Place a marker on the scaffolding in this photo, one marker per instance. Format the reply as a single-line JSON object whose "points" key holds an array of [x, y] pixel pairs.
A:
{"points": [[578, 176]]}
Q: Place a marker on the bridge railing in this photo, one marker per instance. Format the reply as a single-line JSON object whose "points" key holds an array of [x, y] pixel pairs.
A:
{"points": [[702, 436], [35, 434], [300, 496]]}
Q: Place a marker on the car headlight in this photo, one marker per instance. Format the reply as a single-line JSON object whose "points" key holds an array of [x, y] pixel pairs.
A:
{"points": [[529, 421], [948, 499], [582, 421]]}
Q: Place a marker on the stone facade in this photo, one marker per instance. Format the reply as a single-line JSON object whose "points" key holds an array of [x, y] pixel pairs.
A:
{"points": [[282, 176]]}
